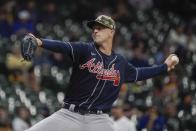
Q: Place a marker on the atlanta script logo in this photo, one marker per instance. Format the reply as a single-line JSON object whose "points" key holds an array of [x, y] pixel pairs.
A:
{"points": [[103, 74]]}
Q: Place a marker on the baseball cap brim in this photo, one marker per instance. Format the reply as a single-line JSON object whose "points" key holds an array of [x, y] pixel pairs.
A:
{"points": [[92, 23]]}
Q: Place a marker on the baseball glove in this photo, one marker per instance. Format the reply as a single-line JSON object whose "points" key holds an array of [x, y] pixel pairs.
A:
{"points": [[28, 47]]}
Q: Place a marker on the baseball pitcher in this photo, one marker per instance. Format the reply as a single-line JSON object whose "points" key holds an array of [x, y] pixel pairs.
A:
{"points": [[98, 73]]}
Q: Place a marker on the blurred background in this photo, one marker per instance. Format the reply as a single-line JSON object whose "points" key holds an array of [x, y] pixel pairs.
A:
{"points": [[147, 31]]}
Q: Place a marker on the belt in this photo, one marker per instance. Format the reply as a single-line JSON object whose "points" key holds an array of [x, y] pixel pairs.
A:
{"points": [[82, 111]]}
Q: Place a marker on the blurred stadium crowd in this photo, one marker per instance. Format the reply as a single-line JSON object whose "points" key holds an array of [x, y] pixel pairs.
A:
{"points": [[145, 35]]}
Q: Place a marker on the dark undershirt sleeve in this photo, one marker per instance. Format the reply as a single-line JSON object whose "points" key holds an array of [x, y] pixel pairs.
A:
{"points": [[133, 74], [74, 50], [149, 72]]}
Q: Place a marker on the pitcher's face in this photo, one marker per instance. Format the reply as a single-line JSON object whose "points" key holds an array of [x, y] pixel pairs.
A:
{"points": [[101, 34]]}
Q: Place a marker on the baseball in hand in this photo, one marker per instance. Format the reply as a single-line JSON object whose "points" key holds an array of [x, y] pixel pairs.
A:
{"points": [[175, 59]]}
